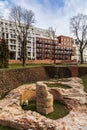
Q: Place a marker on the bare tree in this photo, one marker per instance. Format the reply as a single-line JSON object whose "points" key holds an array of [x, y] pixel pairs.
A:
{"points": [[23, 20], [78, 26], [51, 32]]}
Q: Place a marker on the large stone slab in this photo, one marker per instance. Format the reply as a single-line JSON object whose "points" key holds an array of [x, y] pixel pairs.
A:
{"points": [[44, 99]]}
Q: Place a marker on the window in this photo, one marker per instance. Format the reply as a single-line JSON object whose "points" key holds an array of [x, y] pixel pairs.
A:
{"points": [[12, 35], [14, 47], [10, 24], [6, 29], [7, 35], [1, 23], [29, 53], [6, 24], [2, 29], [19, 53]]}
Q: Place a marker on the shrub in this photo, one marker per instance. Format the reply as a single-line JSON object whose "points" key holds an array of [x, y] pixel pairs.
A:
{"points": [[4, 53]]}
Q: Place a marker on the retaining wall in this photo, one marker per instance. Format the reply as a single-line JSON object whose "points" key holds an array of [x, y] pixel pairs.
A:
{"points": [[10, 79]]}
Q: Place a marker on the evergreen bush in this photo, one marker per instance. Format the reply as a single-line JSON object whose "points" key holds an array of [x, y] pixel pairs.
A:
{"points": [[4, 53]]}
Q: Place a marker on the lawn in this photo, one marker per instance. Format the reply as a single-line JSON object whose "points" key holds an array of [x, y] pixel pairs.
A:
{"points": [[59, 109], [58, 85], [18, 66], [15, 66], [82, 65]]}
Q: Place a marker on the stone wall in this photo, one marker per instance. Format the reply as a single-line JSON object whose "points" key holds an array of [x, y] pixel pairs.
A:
{"points": [[10, 79], [44, 99], [82, 71], [74, 71], [59, 72]]}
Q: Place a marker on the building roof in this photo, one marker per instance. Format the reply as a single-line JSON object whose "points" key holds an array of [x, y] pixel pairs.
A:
{"points": [[64, 36]]}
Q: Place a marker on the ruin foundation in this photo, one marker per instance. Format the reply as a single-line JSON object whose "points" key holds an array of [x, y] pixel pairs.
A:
{"points": [[44, 99]]}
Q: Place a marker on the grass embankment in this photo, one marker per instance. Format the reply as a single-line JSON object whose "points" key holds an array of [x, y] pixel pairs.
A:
{"points": [[18, 65], [29, 65], [59, 109], [84, 79], [15, 66], [82, 65]]}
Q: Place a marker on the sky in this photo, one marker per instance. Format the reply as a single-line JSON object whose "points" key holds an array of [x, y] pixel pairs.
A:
{"points": [[49, 13]]}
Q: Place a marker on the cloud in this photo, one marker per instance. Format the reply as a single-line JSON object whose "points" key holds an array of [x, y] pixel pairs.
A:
{"points": [[4, 9], [55, 13]]}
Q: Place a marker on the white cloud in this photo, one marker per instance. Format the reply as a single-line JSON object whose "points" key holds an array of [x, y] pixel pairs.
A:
{"points": [[46, 16], [4, 9]]}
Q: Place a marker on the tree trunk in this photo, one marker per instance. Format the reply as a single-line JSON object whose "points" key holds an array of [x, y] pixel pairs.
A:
{"points": [[24, 61], [23, 53], [81, 57]]}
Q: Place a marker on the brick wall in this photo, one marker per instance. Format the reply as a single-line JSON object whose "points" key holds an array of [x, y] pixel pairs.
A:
{"points": [[10, 79], [74, 71], [43, 61], [32, 61], [82, 71]]}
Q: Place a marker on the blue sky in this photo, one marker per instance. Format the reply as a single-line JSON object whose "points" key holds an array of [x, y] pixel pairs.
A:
{"points": [[55, 13]]}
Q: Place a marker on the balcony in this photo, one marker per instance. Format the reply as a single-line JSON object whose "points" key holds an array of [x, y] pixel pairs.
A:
{"points": [[47, 47], [39, 52], [47, 43], [39, 46], [56, 48]]}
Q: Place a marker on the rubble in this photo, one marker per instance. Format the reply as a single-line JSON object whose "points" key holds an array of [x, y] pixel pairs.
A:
{"points": [[11, 113]]}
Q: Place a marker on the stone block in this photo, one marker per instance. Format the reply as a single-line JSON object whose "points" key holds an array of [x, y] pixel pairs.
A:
{"points": [[44, 99], [45, 111]]}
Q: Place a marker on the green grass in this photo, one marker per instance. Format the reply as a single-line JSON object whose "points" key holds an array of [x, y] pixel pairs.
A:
{"points": [[6, 128], [31, 106], [29, 65], [19, 66], [59, 109], [58, 85], [84, 79], [15, 66], [82, 65]]}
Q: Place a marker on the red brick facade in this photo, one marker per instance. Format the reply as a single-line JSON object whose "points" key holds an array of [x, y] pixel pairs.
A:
{"points": [[66, 49], [61, 49], [45, 48]]}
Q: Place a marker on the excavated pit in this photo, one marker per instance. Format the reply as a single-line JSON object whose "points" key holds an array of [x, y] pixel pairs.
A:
{"points": [[11, 113]]}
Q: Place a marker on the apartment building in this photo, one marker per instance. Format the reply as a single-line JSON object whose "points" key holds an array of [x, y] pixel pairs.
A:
{"points": [[9, 30], [66, 48], [78, 57], [13, 43], [45, 48], [61, 48], [40, 43]]}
